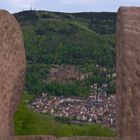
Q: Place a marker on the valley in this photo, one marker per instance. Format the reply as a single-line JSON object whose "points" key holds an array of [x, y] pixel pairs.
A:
{"points": [[70, 72]]}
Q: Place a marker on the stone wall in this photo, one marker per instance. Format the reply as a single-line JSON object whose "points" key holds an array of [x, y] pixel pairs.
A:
{"points": [[12, 73], [128, 73], [12, 70], [54, 138]]}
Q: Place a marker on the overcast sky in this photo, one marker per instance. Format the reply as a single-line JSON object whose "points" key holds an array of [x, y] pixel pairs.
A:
{"points": [[66, 5]]}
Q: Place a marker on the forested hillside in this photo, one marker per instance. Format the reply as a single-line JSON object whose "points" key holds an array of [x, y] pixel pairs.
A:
{"points": [[68, 54], [81, 39]]}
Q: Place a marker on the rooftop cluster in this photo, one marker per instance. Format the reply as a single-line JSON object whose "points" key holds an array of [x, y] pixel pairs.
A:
{"points": [[97, 108]]}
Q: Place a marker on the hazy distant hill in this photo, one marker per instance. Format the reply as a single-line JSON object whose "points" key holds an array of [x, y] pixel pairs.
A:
{"points": [[80, 39]]}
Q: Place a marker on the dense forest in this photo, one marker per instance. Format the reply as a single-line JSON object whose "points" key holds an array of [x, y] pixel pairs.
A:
{"points": [[81, 39]]}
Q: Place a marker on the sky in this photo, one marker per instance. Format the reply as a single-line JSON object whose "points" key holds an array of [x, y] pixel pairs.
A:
{"points": [[14, 6]]}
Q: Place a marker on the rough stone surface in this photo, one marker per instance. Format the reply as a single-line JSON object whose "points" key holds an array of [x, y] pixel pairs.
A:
{"points": [[53, 138], [128, 73], [12, 70], [88, 138]]}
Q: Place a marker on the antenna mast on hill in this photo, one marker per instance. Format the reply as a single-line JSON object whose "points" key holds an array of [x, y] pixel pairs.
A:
{"points": [[31, 7]]}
